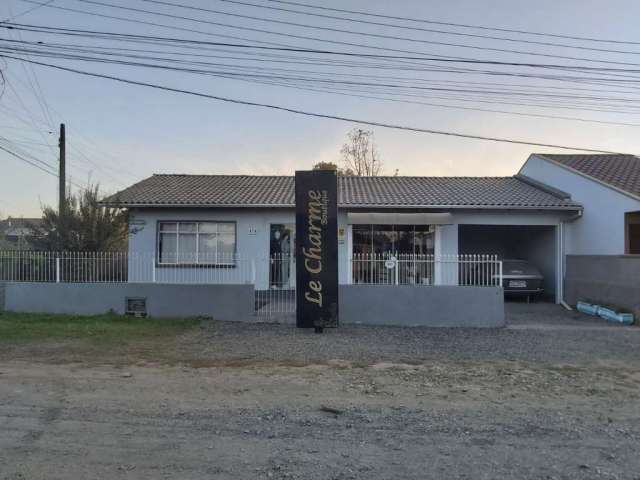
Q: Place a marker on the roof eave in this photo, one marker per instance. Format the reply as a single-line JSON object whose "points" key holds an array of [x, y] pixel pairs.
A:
{"points": [[348, 205]]}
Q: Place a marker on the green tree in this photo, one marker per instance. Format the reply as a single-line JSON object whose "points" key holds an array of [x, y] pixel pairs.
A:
{"points": [[83, 225]]}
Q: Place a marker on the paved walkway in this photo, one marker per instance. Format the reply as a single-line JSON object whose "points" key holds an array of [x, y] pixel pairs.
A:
{"points": [[549, 316]]}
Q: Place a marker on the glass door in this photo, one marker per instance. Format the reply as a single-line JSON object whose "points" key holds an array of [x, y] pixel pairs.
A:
{"points": [[282, 272]]}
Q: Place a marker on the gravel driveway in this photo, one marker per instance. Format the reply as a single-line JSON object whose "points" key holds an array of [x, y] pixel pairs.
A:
{"points": [[541, 333]]}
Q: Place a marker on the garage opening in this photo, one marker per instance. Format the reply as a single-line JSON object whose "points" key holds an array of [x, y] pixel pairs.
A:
{"points": [[534, 243]]}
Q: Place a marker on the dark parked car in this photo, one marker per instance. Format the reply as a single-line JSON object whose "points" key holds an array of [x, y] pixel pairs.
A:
{"points": [[520, 277]]}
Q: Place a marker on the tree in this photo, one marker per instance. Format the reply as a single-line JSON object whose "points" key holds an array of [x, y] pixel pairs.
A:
{"points": [[83, 225], [360, 154], [332, 166]]}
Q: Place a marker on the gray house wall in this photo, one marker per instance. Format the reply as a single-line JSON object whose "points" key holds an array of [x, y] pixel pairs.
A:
{"points": [[600, 230]]}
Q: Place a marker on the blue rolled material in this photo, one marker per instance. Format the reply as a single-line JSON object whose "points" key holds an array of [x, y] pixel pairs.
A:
{"points": [[588, 308], [605, 313]]}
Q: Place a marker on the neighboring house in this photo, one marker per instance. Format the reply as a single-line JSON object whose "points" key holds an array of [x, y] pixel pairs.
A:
{"points": [[184, 218], [608, 187], [18, 233]]}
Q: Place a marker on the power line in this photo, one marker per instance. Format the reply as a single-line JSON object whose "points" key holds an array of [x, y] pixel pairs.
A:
{"points": [[35, 87], [20, 157], [153, 24], [290, 83], [47, 121], [413, 56], [423, 102], [30, 115], [22, 14], [351, 94], [34, 161], [304, 37], [308, 113], [20, 149], [322, 80], [316, 80], [463, 25], [327, 29], [378, 24], [592, 80], [110, 51], [258, 78]]}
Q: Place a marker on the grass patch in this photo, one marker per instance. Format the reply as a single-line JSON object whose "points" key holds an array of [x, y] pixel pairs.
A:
{"points": [[102, 329]]}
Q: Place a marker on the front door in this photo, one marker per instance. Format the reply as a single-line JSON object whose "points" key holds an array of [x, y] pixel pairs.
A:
{"points": [[282, 271]]}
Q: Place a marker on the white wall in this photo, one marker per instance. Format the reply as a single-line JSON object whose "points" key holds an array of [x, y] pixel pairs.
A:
{"points": [[600, 231], [252, 241]]}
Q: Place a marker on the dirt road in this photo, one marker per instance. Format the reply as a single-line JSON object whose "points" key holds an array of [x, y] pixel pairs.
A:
{"points": [[576, 417]]}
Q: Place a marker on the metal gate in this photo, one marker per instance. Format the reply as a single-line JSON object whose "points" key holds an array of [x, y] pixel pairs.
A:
{"points": [[277, 302]]}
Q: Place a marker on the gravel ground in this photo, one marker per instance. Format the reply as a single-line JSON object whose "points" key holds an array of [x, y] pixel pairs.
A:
{"points": [[542, 333], [554, 396]]}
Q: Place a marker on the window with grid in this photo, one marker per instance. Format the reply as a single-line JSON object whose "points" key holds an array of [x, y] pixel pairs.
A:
{"points": [[187, 243]]}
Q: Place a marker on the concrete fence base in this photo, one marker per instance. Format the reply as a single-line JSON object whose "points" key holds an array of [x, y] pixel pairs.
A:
{"points": [[435, 306], [604, 279], [222, 302]]}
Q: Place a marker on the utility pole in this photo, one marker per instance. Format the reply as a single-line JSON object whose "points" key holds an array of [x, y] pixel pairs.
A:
{"points": [[62, 172]]}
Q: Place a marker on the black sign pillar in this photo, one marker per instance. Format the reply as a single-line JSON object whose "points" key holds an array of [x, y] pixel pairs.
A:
{"points": [[316, 249]]}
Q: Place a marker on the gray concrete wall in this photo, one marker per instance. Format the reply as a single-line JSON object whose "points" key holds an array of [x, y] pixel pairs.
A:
{"points": [[437, 306], [222, 302], [604, 279], [2, 289]]}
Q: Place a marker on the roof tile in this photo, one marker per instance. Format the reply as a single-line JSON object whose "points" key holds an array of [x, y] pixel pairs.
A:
{"points": [[617, 170], [278, 191]]}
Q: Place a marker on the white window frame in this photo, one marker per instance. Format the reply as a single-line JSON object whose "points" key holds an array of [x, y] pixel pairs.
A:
{"points": [[164, 263]]}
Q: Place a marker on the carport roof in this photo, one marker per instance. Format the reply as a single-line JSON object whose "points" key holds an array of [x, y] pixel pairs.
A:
{"points": [[175, 190]]}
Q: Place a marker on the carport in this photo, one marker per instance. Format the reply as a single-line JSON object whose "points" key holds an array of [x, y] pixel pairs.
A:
{"points": [[535, 243]]}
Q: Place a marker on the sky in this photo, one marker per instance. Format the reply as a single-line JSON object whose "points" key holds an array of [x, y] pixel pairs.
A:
{"points": [[119, 134]]}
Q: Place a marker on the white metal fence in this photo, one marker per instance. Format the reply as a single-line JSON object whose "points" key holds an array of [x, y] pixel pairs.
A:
{"points": [[273, 273], [123, 267], [414, 269]]}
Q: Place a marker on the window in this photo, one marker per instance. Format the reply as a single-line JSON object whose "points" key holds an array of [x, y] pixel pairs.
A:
{"points": [[208, 243], [372, 243], [402, 239]]}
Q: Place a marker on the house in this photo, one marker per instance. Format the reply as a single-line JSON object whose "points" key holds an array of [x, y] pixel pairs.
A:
{"points": [[192, 221], [602, 247], [19, 233], [608, 187]]}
